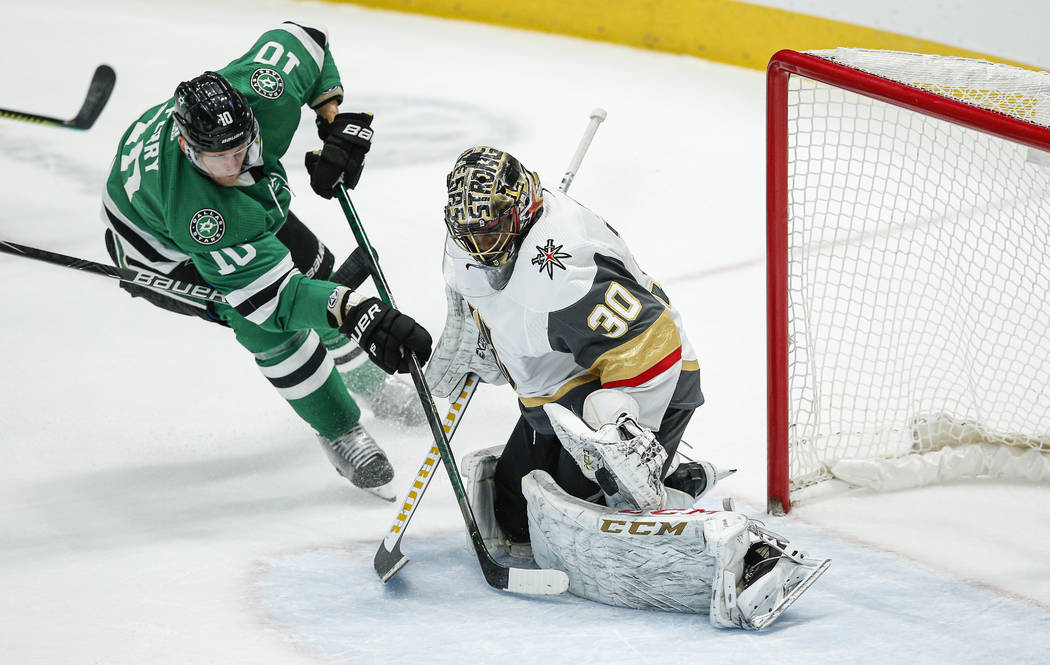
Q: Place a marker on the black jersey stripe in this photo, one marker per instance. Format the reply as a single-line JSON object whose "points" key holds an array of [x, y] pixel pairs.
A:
{"points": [[135, 240], [304, 371], [318, 36], [263, 296], [687, 393], [659, 292]]}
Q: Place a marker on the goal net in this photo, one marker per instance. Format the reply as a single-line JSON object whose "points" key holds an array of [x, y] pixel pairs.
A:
{"points": [[908, 270]]}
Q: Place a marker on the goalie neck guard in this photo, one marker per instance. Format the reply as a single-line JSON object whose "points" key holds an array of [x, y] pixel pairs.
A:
{"points": [[492, 202]]}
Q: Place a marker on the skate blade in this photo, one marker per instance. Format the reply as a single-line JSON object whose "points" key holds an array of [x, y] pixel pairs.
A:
{"points": [[763, 621], [721, 474], [384, 492]]}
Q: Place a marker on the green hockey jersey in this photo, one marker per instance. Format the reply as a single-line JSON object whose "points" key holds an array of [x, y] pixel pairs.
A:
{"points": [[167, 213]]}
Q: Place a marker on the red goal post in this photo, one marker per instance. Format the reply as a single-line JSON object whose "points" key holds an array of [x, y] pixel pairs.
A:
{"points": [[838, 71]]}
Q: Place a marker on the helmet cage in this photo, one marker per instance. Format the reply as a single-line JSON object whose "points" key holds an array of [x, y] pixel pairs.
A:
{"points": [[492, 202], [488, 243]]}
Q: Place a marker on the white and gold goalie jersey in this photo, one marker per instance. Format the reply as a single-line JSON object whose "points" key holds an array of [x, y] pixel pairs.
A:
{"points": [[578, 314]]}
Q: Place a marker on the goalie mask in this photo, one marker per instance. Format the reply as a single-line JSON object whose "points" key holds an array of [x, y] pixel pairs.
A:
{"points": [[492, 202]]}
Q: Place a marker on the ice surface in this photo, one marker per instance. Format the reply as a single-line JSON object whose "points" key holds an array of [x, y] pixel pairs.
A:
{"points": [[867, 605]]}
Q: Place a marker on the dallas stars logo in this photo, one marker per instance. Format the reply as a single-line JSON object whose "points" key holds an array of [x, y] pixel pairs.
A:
{"points": [[207, 226], [267, 83], [549, 257]]}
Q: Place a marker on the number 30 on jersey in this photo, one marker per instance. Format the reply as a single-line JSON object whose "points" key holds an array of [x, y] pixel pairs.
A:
{"points": [[613, 315]]}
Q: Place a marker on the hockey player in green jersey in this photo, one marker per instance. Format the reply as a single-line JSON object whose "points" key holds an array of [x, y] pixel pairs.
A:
{"points": [[197, 192]]}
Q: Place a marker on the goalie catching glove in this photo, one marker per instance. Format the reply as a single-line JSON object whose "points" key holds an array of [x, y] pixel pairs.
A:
{"points": [[386, 335], [623, 457], [347, 140]]}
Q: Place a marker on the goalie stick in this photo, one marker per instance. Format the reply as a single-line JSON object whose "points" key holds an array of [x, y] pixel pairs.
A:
{"points": [[519, 580], [98, 93], [389, 559]]}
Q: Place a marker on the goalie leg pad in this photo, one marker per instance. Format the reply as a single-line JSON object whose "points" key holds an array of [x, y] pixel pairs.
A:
{"points": [[679, 560], [654, 560], [478, 470]]}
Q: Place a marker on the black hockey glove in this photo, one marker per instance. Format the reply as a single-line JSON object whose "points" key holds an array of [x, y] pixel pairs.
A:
{"points": [[346, 142], [386, 335]]}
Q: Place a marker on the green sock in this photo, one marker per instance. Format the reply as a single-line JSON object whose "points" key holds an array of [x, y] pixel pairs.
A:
{"points": [[360, 375]]}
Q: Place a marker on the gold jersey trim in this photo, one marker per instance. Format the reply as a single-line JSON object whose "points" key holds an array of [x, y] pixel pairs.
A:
{"points": [[636, 356]]}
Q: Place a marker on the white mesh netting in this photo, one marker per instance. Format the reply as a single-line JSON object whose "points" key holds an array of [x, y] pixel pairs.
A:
{"points": [[919, 278]]}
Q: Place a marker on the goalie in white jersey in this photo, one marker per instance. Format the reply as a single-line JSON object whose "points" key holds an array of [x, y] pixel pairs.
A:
{"points": [[543, 294]]}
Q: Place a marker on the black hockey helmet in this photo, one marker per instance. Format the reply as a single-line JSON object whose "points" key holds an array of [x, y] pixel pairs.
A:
{"points": [[212, 115]]}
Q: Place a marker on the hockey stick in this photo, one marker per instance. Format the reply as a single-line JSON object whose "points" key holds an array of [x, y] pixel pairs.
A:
{"points": [[97, 95], [350, 273], [597, 117], [129, 275], [519, 580], [389, 559]]}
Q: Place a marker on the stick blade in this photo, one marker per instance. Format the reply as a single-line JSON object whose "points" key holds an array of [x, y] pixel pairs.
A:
{"points": [[388, 562], [98, 93], [528, 581], [541, 582]]}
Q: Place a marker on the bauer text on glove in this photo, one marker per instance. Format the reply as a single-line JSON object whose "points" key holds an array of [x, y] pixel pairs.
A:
{"points": [[347, 140], [385, 334]]}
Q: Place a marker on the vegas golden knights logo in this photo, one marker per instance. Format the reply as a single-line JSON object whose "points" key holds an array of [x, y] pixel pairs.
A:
{"points": [[549, 257]]}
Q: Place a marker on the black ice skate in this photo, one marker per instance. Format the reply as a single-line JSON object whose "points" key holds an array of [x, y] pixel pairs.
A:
{"points": [[696, 478], [359, 459]]}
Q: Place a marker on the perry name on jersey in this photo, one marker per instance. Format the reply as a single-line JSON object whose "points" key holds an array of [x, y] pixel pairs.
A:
{"points": [[166, 213], [578, 314]]}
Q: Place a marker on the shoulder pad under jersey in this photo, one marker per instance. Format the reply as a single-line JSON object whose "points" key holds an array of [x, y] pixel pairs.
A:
{"points": [[555, 265], [203, 216]]}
